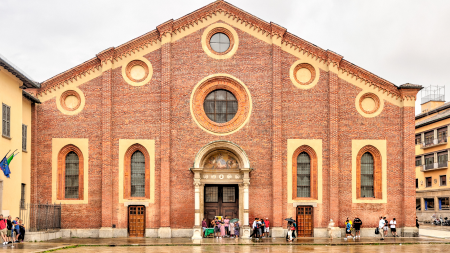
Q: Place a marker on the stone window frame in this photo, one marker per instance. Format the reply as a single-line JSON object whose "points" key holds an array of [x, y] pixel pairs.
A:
{"points": [[65, 95], [133, 63], [375, 98], [313, 170], [127, 171], [62, 168], [377, 172], [220, 30]]}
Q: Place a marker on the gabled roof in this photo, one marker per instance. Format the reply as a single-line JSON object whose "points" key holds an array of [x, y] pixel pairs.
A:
{"points": [[185, 22], [27, 81]]}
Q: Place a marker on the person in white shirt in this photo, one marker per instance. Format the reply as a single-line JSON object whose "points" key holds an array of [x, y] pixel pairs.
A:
{"points": [[380, 227], [393, 229]]}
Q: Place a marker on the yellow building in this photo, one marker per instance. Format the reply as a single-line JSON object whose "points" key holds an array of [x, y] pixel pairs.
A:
{"points": [[432, 147], [16, 112]]}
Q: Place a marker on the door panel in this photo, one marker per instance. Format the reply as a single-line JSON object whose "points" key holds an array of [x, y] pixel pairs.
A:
{"points": [[221, 200], [305, 221], [136, 221]]}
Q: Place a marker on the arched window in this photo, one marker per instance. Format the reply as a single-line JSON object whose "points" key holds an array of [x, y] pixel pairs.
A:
{"points": [[72, 176], [137, 174], [303, 175], [367, 184], [70, 173], [368, 173]]}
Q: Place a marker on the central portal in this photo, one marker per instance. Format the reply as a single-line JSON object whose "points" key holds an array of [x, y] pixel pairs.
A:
{"points": [[221, 200]]}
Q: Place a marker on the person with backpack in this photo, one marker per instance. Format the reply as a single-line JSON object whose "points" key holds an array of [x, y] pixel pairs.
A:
{"points": [[22, 230], [3, 229], [348, 229], [357, 223], [263, 225], [380, 227]]}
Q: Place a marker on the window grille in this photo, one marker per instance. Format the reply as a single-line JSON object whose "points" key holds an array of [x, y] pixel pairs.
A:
{"points": [[418, 161], [367, 169], [24, 137], [229, 195], [137, 174], [428, 181], [429, 136], [442, 134], [442, 159], [418, 137], [22, 197], [443, 180], [72, 176], [6, 120], [220, 106], [219, 42], [429, 161], [303, 175], [212, 194]]}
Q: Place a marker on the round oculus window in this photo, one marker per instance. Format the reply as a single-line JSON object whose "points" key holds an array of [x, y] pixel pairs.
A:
{"points": [[219, 42], [220, 106]]}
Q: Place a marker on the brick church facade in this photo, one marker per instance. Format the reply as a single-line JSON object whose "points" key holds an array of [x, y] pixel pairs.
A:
{"points": [[220, 113]]}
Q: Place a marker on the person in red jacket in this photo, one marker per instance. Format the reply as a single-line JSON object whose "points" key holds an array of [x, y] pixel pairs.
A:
{"points": [[266, 228], [3, 229]]}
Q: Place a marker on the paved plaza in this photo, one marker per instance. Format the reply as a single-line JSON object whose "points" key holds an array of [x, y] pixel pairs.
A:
{"points": [[179, 245]]}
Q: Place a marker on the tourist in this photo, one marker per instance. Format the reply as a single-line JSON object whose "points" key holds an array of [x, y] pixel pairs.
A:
{"points": [[226, 222], [236, 229], [348, 229], [231, 227], [259, 227], [10, 229], [357, 223], [294, 229], [267, 226], [417, 222], [254, 228], [22, 230], [3, 229], [16, 229], [222, 230], [290, 228], [216, 227], [393, 222], [381, 226], [386, 226], [204, 226]]}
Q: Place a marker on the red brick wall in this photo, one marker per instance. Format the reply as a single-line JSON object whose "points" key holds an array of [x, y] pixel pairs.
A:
{"points": [[160, 110]]}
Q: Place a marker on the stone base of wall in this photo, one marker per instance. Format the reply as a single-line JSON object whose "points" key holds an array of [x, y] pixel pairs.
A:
{"points": [[42, 236]]}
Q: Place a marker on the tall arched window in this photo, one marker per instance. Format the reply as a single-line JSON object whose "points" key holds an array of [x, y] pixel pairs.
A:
{"points": [[137, 174], [72, 176], [367, 178], [303, 175]]}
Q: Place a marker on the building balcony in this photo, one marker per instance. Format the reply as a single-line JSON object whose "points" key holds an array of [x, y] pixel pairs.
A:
{"points": [[434, 166], [434, 143]]}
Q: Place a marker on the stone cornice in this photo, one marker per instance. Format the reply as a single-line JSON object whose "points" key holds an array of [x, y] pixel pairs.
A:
{"points": [[199, 16]]}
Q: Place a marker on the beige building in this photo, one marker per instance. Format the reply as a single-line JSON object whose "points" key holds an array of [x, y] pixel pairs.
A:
{"points": [[17, 106], [432, 147]]}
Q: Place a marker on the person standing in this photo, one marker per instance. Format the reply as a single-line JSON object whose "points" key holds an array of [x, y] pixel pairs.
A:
{"points": [[3, 229], [10, 229], [254, 227], [289, 232], [22, 230], [386, 226], [393, 223], [417, 222], [226, 222], [259, 227], [357, 223], [267, 228], [204, 226], [348, 229], [381, 226], [236, 229], [16, 229], [231, 227], [216, 227], [222, 230]]}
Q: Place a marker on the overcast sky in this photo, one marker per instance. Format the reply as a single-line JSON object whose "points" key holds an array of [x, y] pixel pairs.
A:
{"points": [[400, 41]]}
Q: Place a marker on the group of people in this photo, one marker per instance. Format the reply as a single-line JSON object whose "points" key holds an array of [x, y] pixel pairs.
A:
{"points": [[222, 228], [260, 228], [383, 227], [11, 230]]}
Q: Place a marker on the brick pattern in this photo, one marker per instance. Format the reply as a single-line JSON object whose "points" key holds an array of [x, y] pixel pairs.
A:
{"points": [[409, 175], [313, 174], [334, 149], [61, 183], [377, 174], [127, 171]]}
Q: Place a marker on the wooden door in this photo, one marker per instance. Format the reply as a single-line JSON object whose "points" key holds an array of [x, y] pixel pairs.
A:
{"points": [[221, 200], [305, 221], [136, 221]]}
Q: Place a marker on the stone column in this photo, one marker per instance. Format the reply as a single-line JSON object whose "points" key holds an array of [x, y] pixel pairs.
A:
{"points": [[245, 188], [277, 146], [165, 31], [106, 58], [198, 231]]}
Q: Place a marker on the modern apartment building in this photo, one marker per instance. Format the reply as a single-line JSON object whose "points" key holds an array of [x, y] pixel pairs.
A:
{"points": [[432, 147]]}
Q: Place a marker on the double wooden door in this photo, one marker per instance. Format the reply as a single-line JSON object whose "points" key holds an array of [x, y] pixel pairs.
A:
{"points": [[221, 200], [136, 221], [305, 221]]}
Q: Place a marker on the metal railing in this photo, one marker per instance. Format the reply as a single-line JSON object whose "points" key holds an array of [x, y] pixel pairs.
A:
{"points": [[429, 166], [43, 217], [442, 165]]}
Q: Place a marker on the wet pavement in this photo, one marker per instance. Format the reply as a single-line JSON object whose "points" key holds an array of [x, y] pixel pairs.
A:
{"points": [[180, 245]]}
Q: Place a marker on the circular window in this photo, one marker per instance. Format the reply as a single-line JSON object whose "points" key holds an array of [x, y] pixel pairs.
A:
{"points": [[137, 71], [70, 100], [369, 103], [304, 73], [219, 42], [220, 106]]}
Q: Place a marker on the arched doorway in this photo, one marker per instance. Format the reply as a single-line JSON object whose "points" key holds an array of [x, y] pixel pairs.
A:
{"points": [[220, 167]]}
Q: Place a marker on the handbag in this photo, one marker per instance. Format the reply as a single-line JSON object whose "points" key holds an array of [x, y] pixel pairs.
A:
{"points": [[377, 231]]}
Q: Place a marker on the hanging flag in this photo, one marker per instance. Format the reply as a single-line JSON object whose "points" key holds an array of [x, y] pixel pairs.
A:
{"points": [[11, 157], [5, 167]]}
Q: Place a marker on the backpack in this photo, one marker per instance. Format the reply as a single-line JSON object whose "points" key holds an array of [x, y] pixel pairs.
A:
{"points": [[377, 231]]}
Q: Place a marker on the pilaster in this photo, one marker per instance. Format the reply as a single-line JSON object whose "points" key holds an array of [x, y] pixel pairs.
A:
{"points": [[106, 58], [165, 31]]}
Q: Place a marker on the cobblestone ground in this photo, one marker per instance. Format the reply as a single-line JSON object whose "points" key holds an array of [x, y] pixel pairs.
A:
{"points": [[428, 248]]}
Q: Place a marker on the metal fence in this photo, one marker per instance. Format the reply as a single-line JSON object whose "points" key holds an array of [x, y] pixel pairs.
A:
{"points": [[42, 217]]}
